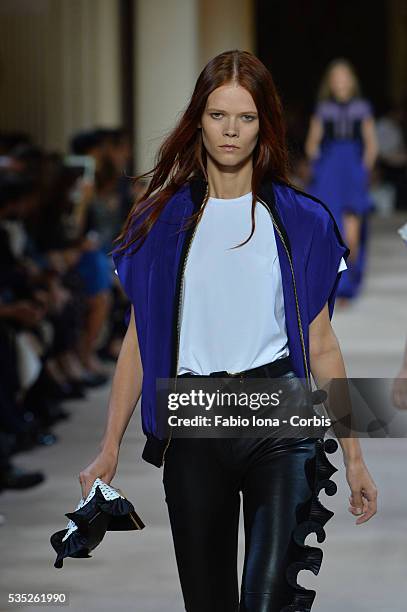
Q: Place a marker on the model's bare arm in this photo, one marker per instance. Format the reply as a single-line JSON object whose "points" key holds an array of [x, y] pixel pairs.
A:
{"points": [[125, 393], [126, 388], [326, 363], [314, 136], [370, 142]]}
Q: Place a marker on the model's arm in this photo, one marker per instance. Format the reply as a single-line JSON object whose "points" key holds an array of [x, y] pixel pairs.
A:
{"points": [[326, 362], [314, 136], [399, 388], [125, 393], [370, 142]]}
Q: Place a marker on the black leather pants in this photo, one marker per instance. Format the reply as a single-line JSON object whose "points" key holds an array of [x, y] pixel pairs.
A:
{"points": [[280, 479]]}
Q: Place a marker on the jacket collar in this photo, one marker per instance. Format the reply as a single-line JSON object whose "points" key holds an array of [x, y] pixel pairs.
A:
{"points": [[266, 192]]}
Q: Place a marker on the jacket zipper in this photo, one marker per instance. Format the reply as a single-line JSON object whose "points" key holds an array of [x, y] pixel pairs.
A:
{"points": [[295, 293], [178, 315], [296, 302]]}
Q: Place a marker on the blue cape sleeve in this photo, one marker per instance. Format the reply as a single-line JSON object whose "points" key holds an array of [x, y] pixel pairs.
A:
{"points": [[122, 266], [322, 268], [128, 266]]}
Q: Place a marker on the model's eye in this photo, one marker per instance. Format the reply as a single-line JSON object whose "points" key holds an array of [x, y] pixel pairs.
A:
{"points": [[249, 117], [216, 115]]}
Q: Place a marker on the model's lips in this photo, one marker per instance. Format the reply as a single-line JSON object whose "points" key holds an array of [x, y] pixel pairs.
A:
{"points": [[229, 147]]}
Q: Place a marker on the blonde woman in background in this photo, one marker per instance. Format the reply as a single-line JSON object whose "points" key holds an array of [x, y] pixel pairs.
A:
{"points": [[341, 145]]}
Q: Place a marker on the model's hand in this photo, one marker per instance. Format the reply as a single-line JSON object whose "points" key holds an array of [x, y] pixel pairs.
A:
{"points": [[363, 498], [103, 467], [399, 390]]}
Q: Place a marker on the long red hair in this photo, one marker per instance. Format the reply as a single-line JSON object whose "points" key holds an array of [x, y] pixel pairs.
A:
{"points": [[182, 155]]}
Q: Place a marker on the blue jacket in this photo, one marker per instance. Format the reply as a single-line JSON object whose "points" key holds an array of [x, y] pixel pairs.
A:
{"points": [[309, 247]]}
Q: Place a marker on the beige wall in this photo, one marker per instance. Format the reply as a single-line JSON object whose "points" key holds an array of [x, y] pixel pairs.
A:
{"points": [[59, 67], [22, 77], [166, 59], [225, 25]]}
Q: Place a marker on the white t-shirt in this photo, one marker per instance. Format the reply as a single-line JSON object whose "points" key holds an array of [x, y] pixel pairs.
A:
{"points": [[233, 314]]}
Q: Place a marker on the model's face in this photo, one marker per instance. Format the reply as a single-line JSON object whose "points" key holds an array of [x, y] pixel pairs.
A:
{"points": [[230, 125], [341, 82]]}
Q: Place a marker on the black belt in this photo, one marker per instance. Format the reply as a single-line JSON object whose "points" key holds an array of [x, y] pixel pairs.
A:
{"points": [[274, 369]]}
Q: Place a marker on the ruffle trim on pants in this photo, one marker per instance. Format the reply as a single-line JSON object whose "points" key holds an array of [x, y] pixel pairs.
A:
{"points": [[311, 517]]}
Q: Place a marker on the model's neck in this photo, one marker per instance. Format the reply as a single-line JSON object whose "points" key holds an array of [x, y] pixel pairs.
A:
{"points": [[228, 183], [342, 99]]}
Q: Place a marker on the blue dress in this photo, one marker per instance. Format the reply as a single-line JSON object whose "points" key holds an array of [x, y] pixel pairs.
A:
{"points": [[339, 177]]}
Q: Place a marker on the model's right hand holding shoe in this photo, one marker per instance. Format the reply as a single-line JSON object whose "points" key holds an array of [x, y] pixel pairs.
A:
{"points": [[104, 467]]}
